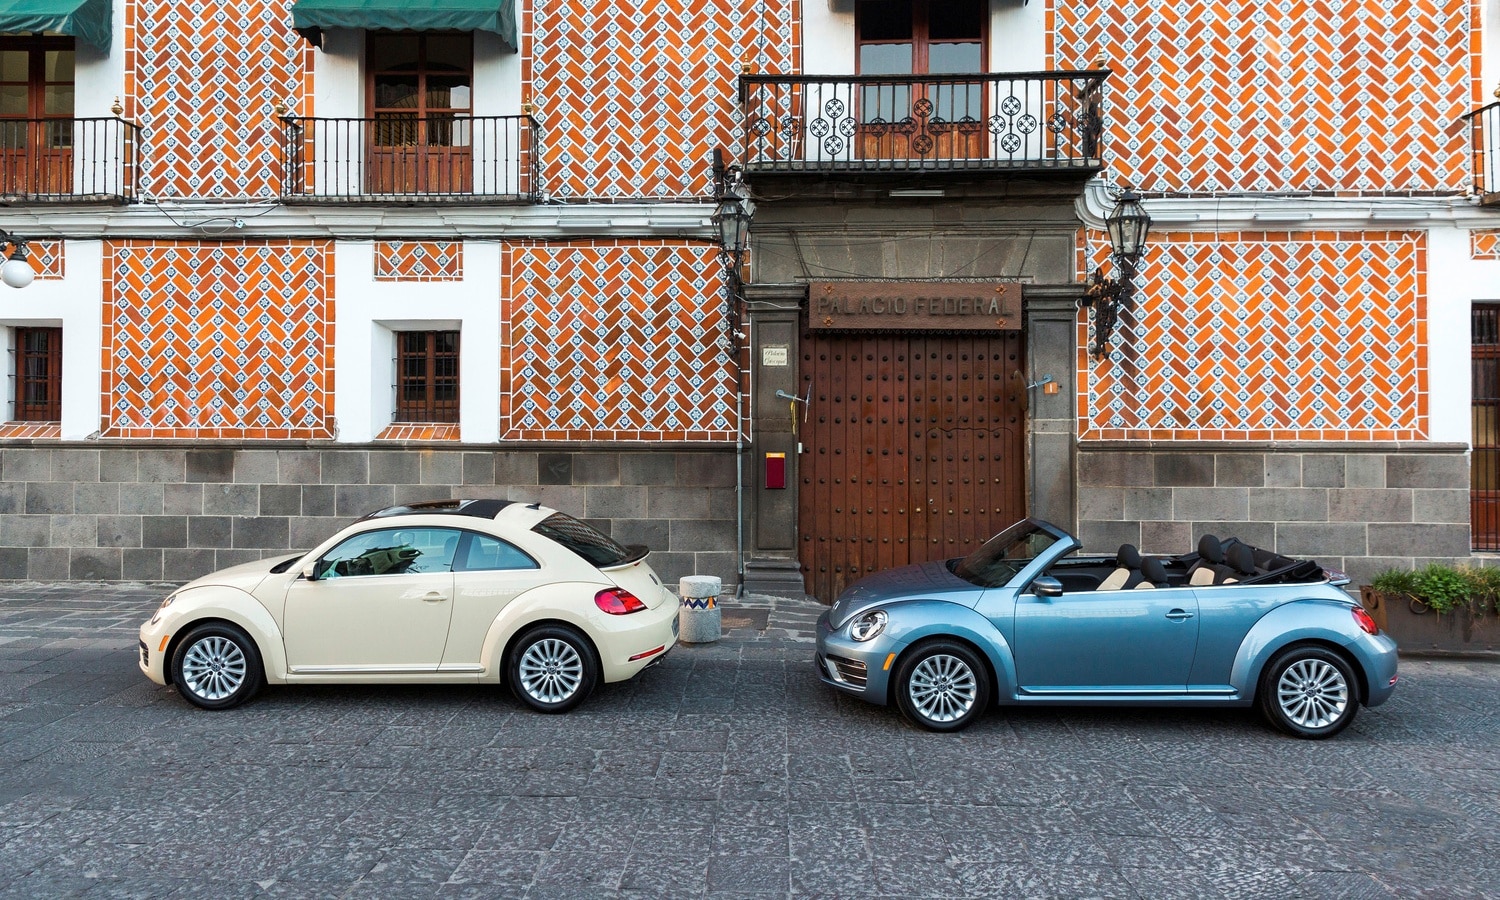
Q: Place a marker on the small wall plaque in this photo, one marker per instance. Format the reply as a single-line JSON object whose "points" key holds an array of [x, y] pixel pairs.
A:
{"points": [[775, 355]]}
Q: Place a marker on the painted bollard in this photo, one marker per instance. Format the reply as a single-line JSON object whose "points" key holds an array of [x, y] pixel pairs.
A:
{"points": [[698, 617]]}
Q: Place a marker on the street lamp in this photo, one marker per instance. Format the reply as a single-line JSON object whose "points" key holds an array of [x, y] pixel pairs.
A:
{"points": [[732, 217], [1128, 225], [16, 271]]}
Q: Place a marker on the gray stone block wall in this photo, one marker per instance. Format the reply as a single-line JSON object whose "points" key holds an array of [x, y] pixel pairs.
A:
{"points": [[92, 513], [1356, 508]]}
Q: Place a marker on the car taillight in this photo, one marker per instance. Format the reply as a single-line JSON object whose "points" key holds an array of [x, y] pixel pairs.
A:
{"points": [[618, 601], [1366, 624]]}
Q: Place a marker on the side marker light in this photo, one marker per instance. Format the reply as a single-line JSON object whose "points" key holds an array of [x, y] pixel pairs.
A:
{"points": [[888, 660], [163, 647]]}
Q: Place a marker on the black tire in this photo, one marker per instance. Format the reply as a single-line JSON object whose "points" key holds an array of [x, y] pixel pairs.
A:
{"points": [[552, 669], [1308, 692], [942, 686], [217, 666]]}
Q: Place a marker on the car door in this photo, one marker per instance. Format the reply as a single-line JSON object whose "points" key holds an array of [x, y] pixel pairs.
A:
{"points": [[380, 603], [488, 573], [1106, 642]]}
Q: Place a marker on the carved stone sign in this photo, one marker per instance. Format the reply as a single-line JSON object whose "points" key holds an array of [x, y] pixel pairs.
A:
{"points": [[890, 305]]}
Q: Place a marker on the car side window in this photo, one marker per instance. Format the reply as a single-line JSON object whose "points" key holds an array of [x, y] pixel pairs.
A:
{"points": [[487, 554], [392, 551]]}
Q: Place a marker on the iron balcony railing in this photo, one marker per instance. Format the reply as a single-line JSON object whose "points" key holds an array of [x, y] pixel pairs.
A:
{"points": [[62, 160], [1484, 128], [438, 157], [875, 123]]}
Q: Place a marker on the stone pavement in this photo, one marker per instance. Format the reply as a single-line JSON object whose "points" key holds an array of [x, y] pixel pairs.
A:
{"points": [[727, 771]]}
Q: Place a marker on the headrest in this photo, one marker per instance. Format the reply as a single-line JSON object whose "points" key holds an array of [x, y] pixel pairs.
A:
{"points": [[1129, 557], [1241, 558], [1210, 549], [1154, 571]]}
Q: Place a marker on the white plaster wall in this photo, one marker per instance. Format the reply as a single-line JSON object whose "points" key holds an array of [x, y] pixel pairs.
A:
{"points": [[1454, 281], [367, 312], [1489, 56], [76, 304], [100, 77]]}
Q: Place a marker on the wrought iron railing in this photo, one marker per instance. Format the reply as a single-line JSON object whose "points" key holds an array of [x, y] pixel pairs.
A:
{"points": [[1019, 120], [1484, 125], [411, 157], [69, 159]]}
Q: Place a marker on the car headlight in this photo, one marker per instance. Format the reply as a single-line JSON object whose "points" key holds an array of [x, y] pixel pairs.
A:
{"points": [[156, 616], [868, 625]]}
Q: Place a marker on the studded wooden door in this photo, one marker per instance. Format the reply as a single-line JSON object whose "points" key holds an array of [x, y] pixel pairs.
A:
{"points": [[913, 450]]}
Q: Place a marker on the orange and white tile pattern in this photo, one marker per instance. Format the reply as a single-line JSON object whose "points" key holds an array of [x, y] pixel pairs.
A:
{"points": [[1484, 244], [1296, 336], [204, 79], [218, 340], [1211, 95], [44, 257], [418, 431], [614, 340], [419, 261], [634, 97], [41, 430]]}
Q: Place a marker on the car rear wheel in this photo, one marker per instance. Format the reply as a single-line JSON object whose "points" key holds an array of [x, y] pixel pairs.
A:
{"points": [[552, 669], [1309, 692], [216, 666], [942, 686]]}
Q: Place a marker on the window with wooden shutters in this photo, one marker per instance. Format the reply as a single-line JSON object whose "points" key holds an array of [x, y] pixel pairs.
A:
{"points": [[426, 376], [38, 380], [1484, 471]]}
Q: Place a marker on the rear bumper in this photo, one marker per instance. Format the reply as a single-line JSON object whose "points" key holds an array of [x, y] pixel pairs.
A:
{"points": [[648, 635], [1377, 655]]}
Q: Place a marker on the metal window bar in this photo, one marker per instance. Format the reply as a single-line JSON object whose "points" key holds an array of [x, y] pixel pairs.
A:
{"points": [[69, 159], [1484, 472], [441, 156], [426, 377], [874, 123], [1484, 131], [37, 375]]}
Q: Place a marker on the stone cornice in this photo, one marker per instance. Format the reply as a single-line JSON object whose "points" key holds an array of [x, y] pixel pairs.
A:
{"points": [[1266, 212]]}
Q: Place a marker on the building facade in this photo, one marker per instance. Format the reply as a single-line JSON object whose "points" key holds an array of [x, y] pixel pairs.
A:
{"points": [[299, 259]]}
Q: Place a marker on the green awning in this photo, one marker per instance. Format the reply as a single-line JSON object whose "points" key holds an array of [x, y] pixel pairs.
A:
{"points": [[87, 20], [310, 17]]}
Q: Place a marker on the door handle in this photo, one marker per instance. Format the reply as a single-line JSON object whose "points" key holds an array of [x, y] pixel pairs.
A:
{"points": [[434, 597], [1179, 614]]}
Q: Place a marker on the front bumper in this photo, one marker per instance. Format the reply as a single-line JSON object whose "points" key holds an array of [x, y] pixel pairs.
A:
{"points": [[152, 658], [861, 668]]}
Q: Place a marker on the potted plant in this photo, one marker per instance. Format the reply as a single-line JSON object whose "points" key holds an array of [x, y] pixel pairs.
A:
{"points": [[1438, 608]]}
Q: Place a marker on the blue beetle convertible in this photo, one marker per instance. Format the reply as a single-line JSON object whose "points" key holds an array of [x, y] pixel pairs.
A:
{"points": [[1024, 619]]}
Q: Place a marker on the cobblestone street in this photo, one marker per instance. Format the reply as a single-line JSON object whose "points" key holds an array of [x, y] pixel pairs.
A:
{"points": [[727, 771]]}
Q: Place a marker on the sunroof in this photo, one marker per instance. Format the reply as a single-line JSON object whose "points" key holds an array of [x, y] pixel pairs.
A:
{"points": [[479, 509]]}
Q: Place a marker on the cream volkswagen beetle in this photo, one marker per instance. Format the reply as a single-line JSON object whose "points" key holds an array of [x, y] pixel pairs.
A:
{"points": [[450, 591]]}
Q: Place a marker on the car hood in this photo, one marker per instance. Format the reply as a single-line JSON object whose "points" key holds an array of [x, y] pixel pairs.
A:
{"points": [[928, 580], [245, 576]]}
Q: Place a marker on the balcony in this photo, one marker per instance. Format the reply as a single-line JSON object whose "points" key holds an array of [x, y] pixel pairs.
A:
{"points": [[68, 160], [1484, 128], [430, 159], [1013, 123]]}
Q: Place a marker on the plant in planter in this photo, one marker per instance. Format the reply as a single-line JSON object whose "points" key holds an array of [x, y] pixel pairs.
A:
{"points": [[1437, 607]]}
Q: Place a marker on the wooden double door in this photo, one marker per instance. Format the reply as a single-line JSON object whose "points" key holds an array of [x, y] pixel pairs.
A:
{"points": [[913, 449]]}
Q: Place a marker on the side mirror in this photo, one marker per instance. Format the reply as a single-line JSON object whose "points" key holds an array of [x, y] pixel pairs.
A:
{"points": [[1046, 586], [310, 571]]}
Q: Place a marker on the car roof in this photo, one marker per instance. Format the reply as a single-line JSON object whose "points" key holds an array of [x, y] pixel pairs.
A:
{"points": [[479, 509]]}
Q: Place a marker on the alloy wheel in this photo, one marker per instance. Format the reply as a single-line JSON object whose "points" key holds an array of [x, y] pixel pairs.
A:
{"points": [[214, 667], [942, 688], [1312, 693], [551, 670]]}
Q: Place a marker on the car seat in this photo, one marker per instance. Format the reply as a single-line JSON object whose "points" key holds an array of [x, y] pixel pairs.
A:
{"points": [[1210, 567], [1153, 574], [1127, 573]]}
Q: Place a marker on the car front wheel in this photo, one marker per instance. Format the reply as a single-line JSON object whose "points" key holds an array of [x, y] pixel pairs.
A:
{"points": [[942, 686], [1309, 692], [216, 666], [552, 669]]}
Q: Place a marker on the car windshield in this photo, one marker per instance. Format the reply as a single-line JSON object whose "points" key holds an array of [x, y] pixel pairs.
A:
{"points": [[1003, 555], [599, 549]]}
